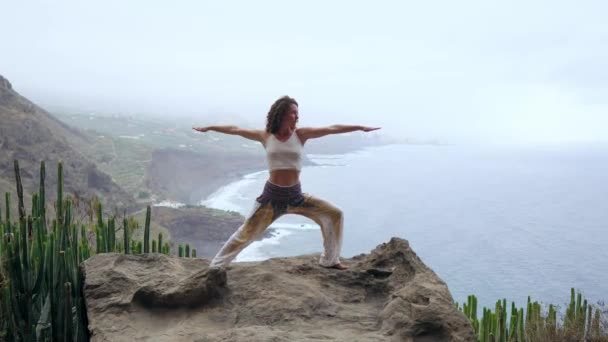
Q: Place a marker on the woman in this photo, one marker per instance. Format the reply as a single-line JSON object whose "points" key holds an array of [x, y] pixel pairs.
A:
{"points": [[282, 192]]}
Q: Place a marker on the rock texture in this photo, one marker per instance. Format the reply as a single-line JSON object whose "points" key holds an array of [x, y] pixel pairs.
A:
{"points": [[387, 295]]}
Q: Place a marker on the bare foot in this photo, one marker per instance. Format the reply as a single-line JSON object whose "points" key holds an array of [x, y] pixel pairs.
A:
{"points": [[339, 266]]}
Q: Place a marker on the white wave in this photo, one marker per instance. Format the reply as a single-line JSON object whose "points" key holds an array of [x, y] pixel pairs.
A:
{"points": [[254, 252], [134, 137], [295, 226], [224, 197], [328, 159], [169, 203]]}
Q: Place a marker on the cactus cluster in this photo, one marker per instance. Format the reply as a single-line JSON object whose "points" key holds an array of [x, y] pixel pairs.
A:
{"points": [[580, 316], [40, 278], [532, 325], [41, 297], [184, 251], [105, 233]]}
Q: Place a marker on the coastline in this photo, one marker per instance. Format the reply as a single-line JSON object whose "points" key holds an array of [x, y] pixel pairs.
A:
{"points": [[211, 186], [189, 177], [217, 193], [212, 181], [215, 184], [223, 198]]}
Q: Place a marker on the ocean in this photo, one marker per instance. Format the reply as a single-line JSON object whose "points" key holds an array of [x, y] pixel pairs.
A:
{"points": [[497, 222]]}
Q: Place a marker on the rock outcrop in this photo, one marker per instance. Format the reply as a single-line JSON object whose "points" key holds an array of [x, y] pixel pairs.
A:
{"points": [[386, 295]]}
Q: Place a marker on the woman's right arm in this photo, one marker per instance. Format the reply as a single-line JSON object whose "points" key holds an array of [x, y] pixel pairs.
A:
{"points": [[252, 134]]}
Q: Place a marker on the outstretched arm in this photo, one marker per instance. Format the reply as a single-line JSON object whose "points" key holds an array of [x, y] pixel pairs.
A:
{"points": [[311, 133], [252, 134]]}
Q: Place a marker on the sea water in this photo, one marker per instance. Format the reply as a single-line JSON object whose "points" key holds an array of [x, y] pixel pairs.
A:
{"points": [[497, 222]]}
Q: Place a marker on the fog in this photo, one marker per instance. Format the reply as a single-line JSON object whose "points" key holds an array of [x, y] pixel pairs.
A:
{"points": [[466, 71]]}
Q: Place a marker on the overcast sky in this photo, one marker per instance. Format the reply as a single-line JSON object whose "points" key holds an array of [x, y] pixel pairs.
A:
{"points": [[521, 71]]}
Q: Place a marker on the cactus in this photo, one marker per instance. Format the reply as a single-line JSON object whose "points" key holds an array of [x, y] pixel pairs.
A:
{"points": [[59, 191], [595, 331], [41, 196], [19, 190], [470, 311], [126, 238], [100, 231], [531, 325], [552, 316], [111, 235], [147, 231], [520, 325], [40, 297], [7, 197], [160, 242], [98, 242], [67, 330], [576, 312], [39, 264]]}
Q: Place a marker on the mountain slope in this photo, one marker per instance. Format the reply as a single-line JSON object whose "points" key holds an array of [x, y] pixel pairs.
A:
{"points": [[30, 134]]}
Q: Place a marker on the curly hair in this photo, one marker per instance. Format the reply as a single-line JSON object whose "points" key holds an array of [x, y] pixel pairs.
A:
{"points": [[276, 113]]}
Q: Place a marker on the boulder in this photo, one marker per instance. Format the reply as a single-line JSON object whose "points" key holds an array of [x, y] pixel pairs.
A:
{"points": [[386, 295]]}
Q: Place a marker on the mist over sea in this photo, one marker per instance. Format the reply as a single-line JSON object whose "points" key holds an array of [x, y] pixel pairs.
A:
{"points": [[498, 222]]}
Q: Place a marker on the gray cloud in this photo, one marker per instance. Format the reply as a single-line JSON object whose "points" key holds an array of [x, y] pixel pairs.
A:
{"points": [[473, 70]]}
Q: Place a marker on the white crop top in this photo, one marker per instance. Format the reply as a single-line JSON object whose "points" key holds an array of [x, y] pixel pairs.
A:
{"points": [[284, 155]]}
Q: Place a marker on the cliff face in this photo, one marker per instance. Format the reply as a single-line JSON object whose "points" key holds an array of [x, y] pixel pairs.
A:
{"points": [[29, 134], [185, 176], [386, 295]]}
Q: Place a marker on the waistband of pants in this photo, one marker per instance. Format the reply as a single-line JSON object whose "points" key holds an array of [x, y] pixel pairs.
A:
{"points": [[277, 194]]}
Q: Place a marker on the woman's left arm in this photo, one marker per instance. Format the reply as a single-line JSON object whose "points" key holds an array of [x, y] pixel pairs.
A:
{"points": [[311, 133]]}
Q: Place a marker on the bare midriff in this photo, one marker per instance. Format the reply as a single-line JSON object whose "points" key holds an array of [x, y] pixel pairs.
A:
{"points": [[286, 177]]}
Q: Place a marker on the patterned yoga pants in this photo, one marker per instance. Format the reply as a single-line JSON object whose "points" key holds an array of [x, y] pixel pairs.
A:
{"points": [[276, 201]]}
